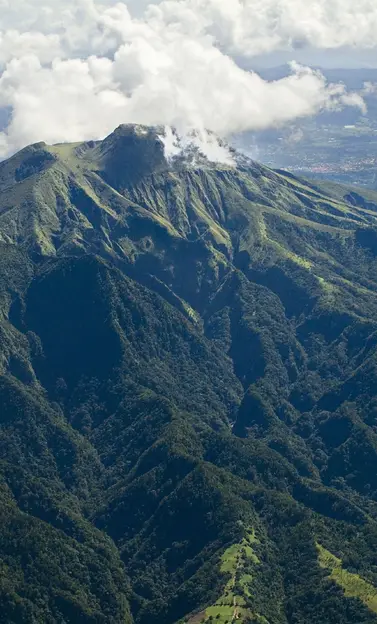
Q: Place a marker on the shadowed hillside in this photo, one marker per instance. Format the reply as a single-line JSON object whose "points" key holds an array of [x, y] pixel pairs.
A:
{"points": [[188, 365]]}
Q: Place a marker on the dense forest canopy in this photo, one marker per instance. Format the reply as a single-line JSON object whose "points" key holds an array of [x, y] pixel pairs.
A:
{"points": [[188, 363]]}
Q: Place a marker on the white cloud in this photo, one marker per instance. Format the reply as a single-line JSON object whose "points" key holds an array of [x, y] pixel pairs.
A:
{"points": [[193, 144], [370, 88], [253, 27], [73, 70]]}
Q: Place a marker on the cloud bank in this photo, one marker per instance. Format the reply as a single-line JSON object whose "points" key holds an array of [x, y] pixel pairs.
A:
{"points": [[72, 71]]}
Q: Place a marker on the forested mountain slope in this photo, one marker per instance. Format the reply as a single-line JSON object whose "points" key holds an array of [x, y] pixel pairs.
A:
{"points": [[188, 367]]}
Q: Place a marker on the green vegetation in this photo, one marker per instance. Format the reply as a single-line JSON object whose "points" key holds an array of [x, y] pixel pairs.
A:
{"points": [[235, 563], [188, 364], [354, 586]]}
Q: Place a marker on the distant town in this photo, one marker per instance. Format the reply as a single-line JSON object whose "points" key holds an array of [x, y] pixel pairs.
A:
{"points": [[340, 146]]}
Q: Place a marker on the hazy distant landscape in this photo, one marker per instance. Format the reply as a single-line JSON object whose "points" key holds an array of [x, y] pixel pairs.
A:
{"points": [[339, 145]]}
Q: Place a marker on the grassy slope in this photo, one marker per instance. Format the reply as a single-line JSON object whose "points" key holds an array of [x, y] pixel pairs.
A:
{"points": [[353, 585], [234, 563]]}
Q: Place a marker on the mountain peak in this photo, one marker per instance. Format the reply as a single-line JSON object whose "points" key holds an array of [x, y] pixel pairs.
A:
{"points": [[135, 151], [130, 153]]}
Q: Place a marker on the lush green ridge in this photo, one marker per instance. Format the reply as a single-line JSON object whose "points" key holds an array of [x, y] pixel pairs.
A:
{"points": [[354, 586], [237, 562], [187, 390]]}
